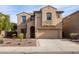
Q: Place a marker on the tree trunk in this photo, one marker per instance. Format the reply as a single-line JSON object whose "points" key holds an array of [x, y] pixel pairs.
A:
{"points": [[3, 33]]}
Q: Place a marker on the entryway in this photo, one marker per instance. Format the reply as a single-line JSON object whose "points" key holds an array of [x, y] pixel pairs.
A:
{"points": [[24, 32], [32, 32]]}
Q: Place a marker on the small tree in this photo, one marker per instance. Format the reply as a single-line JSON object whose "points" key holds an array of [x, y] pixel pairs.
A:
{"points": [[21, 36], [5, 24]]}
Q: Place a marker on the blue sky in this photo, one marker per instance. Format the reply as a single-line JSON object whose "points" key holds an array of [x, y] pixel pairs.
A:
{"points": [[12, 10]]}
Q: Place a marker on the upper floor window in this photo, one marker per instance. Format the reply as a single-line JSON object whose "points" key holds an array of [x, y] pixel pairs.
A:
{"points": [[23, 19], [49, 16], [32, 18]]}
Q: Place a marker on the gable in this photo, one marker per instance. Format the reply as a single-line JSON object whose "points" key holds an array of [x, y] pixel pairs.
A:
{"points": [[20, 20], [48, 7], [53, 14], [23, 13]]}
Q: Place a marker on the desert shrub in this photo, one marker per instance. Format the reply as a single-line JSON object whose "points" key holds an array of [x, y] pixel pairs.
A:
{"points": [[21, 36], [1, 41], [73, 35], [14, 36]]}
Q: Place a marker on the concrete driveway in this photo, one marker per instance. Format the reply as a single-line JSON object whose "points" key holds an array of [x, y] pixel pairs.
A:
{"points": [[45, 46]]}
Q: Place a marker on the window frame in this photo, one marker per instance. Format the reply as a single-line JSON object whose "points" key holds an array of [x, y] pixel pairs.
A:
{"points": [[32, 18], [23, 19], [49, 17]]}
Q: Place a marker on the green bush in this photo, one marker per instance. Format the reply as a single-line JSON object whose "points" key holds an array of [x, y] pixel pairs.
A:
{"points": [[1, 41], [21, 36]]}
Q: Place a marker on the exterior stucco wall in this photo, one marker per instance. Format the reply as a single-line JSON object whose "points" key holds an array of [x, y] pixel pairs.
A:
{"points": [[54, 20], [38, 20], [38, 23], [28, 30]]}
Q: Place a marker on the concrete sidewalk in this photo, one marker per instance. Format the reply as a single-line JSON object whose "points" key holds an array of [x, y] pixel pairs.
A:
{"points": [[45, 46]]}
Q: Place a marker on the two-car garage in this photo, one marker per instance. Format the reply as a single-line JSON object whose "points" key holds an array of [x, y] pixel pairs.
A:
{"points": [[49, 34]]}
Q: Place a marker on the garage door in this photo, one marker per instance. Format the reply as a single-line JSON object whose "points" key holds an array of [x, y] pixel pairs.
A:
{"points": [[48, 34]]}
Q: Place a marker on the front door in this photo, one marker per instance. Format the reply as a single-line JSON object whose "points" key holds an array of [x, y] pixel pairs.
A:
{"points": [[32, 32]]}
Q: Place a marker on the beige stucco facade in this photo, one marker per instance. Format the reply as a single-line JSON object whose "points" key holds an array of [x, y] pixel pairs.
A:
{"points": [[25, 25], [43, 28]]}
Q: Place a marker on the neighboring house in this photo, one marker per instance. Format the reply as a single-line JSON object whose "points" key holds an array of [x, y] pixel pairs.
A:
{"points": [[43, 24], [71, 25]]}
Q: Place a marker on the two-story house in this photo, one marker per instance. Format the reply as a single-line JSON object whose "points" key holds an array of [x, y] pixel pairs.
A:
{"points": [[43, 24]]}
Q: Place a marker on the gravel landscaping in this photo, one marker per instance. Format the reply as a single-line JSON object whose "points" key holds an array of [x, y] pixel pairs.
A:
{"points": [[17, 42]]}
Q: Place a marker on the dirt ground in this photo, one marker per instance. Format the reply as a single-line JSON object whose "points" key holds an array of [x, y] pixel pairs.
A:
{"points": [[18, 42]]}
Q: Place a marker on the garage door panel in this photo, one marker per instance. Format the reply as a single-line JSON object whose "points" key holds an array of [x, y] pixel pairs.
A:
{"points": [[48, 34]]}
